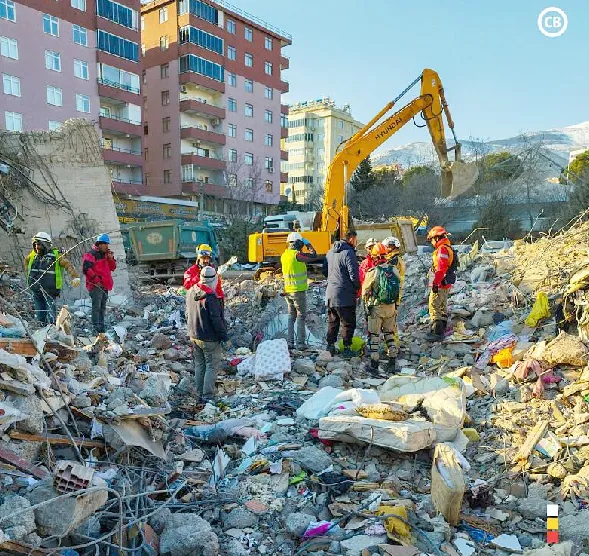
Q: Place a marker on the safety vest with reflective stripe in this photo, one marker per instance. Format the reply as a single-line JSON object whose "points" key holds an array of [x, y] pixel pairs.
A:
{"points": [[51, 268], [294, 272]]}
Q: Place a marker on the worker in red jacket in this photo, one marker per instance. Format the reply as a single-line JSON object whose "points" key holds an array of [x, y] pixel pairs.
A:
{"points": [[367, 263], [204, 254], [98, 265]]}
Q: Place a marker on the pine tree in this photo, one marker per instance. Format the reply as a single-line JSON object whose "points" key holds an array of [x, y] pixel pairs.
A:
{"points": [[363, 178]]}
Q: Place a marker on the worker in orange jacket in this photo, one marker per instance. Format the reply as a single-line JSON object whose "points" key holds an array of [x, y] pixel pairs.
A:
{"points": [[444, 266]]}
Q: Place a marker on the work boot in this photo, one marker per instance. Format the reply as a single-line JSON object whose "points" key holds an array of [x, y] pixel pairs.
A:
{"points": [[331, 349], [371, 366], [348, 353], [437, 332], [391, 365]]}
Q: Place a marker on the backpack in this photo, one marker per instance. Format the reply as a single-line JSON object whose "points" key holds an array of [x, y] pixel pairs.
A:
{"points": [[388, 285], [450, 277]]}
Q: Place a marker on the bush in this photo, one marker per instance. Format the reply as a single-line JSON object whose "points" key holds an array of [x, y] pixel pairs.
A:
{"points": [[496, 222]]}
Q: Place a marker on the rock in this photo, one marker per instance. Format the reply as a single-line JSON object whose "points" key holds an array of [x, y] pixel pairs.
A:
{"points": [[557, 470], [313, 459], [525, 541], [415, 349], [171, 354], [82, 401], [296, 524], [357, 544], [468, 359], [482, 319], [499, 384], [161, 341], [304, 366], [324, 357], [31, 406], [436, 351], [331, 380], [65, 514], [239, 518], [518, 489], [178, 367], [235, 548], [188, 535], [535, 504], [574, 528], [156, 390], [159, 519], [247, 286], [21, 525]]}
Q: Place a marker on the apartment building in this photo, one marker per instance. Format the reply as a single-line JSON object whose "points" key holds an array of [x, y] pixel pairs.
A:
{"points": [[76, 59], [213, 116], [315, 130]]}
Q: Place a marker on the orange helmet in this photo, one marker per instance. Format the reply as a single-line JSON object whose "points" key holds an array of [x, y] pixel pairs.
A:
{"points": [[378, 250], [437, 231]]}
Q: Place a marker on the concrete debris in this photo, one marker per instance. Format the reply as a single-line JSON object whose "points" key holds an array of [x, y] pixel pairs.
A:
{"points": [[188, 535], [313, 459], [22, 524]]}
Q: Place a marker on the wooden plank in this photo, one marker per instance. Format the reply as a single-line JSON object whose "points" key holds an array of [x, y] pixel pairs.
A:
{"points": [[12, 547], [54, 439], [22, 346], [10, 457], [534, 436]]}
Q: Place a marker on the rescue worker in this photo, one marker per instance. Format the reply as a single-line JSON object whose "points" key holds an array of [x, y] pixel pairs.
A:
{"points": [[204, 255], [343, 280], [393, 247], [381, 293], [444, 267], [207, 330], [98, 266], [44, 267], [367, 263], [294, 273]]}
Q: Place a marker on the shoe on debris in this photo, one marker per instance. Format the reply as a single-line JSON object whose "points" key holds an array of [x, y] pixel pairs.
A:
{"points": [[331, 349], [391, 365], [348, 353]]}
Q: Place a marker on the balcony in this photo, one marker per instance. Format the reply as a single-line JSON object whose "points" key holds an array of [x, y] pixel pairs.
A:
{"points": [[283, 177], [283, 155], [191, 133], [127, 187], [203, 161], [284, 62], [192, 106], [284, 86], [194, 187], [117, 155], [202, 81], [284, 108], [120, 125], [283, 132]]}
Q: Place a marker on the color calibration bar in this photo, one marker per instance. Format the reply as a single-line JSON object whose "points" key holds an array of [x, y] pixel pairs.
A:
{"points": [[552, 523]]}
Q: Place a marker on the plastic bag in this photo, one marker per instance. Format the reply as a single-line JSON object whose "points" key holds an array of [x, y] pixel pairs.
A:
{"points": [[272, 360], [357, 344], [539, 311]]}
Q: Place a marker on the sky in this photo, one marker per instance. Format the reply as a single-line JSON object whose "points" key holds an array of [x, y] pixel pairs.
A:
{"points": [[501, 76]]}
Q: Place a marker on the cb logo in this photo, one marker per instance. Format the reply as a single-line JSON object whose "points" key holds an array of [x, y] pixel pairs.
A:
{"points": [[553, 22]]}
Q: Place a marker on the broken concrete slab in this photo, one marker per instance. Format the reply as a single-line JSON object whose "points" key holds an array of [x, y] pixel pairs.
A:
{"points": [[22, 524], [188, 535]]}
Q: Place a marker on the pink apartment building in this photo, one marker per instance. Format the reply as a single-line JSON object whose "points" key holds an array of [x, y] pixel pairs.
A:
{"points": [[76, 58], [213, 117]]}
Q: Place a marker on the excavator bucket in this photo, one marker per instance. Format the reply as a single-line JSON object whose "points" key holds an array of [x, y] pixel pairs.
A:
{"points": [[460, 177]]}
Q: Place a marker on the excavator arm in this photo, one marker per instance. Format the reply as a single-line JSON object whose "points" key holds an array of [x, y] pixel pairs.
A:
{"points": [[456, 176]]}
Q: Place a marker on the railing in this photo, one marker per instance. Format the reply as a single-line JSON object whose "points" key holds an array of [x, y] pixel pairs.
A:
{"points": [[117, 85], [127, 182], [118, 118], [202, 128], [108, 147], [193, 153], [188, 96]]}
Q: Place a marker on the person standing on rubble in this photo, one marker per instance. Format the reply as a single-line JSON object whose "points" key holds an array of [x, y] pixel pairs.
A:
{"points": [[444, 266], [381, 293], [367, 263], [204, 255], [294, 272], [98, 266], [206, 329], [343, 281], [44, 266]]}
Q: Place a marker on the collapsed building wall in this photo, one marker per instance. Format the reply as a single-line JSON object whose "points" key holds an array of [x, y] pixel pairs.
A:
{"points": [[59, 184]]}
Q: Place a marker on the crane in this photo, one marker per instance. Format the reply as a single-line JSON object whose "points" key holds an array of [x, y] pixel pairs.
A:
{"points": [[334, 221]]}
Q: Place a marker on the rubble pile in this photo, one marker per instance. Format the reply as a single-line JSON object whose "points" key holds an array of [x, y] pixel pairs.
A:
{"points": [[106, 449]]}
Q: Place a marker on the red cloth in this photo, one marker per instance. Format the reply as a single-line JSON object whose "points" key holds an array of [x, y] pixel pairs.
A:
{"points": [[442, 259], [98, 268], [192, 277], [365, 266]]}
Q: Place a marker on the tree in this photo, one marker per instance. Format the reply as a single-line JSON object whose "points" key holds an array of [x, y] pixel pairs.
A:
{"points": [[578, 174], [363, 178], [417, 172], [577, 170], [494, 221], [499, 167]]}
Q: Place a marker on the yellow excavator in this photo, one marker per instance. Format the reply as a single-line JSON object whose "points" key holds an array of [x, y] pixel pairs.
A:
{"points": [[334, 220]]}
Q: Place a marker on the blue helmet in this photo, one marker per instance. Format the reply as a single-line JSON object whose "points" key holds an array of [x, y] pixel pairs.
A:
{"points": [[103, 238]]}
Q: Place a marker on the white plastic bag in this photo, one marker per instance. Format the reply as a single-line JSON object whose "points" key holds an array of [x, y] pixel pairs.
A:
{"points": [[319, 404]]}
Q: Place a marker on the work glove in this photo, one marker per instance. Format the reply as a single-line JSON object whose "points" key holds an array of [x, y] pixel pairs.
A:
{"points": [[75, 282], [435, 288]]}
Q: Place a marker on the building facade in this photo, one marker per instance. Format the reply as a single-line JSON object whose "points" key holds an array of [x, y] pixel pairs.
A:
{"points": [[76, 59], [315, 130], [213, 116]]}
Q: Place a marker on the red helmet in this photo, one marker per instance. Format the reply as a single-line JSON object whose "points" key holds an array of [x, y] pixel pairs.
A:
{"points": [[437, 231]]}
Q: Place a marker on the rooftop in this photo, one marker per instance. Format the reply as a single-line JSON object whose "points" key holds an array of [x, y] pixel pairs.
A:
{"points": [[325, 102]]}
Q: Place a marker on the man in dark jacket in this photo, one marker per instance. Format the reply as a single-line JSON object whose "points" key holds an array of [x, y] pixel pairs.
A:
{"points": [[206, 329], [343, 280]]}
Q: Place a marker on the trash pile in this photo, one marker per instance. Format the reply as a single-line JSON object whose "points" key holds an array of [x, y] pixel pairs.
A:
{"points": [[106, 450]]}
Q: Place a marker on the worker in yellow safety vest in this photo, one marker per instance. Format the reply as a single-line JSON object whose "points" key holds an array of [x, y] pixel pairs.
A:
{"points": [[294, 272]]}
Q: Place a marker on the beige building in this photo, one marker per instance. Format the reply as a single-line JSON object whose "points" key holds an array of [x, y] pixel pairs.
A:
{"points": [[315, 130]]}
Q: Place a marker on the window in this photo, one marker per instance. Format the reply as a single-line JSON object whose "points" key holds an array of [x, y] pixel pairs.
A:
{"points": [[268, 116], [9, 48], [249, 34], [283, 120], [231, 52], [231, 26], [13, 119], [249, 135], [163, 15], [50, 25], [11, 85], [7, 12], [167, 150], [232, 155], [83, 103], [144, 77], [166, 124], [269, 186], [145, 153], [249, 110], [231, 105], [80, 35], [249, 86], [54, 96], [165, 98], [199, 37], [117, 13], [197, 64], [164, 42], [81, 69], [142, 23], [268, 68], [231, 130], [249, 60], [232, 79], [232, 180], [340, 124], [268, 93], [54, 126], [79, 5], [268, 140], [167, 176], [164, 71], [118, 46], [121, 79], [248, 159], [341, 139], [269, 164], [52, 60], [199, 9], [249, 182]]}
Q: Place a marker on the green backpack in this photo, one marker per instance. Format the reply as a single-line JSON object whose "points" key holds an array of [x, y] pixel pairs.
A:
{"points": [[388, 285]]}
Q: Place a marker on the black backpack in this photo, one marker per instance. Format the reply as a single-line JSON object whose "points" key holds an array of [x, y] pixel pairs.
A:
{"points": [[450, 277]]}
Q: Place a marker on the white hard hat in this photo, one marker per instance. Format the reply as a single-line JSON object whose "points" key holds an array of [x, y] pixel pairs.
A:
{"points": [[392, 241], [294, 236], [370, 242], [42, 236]]}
